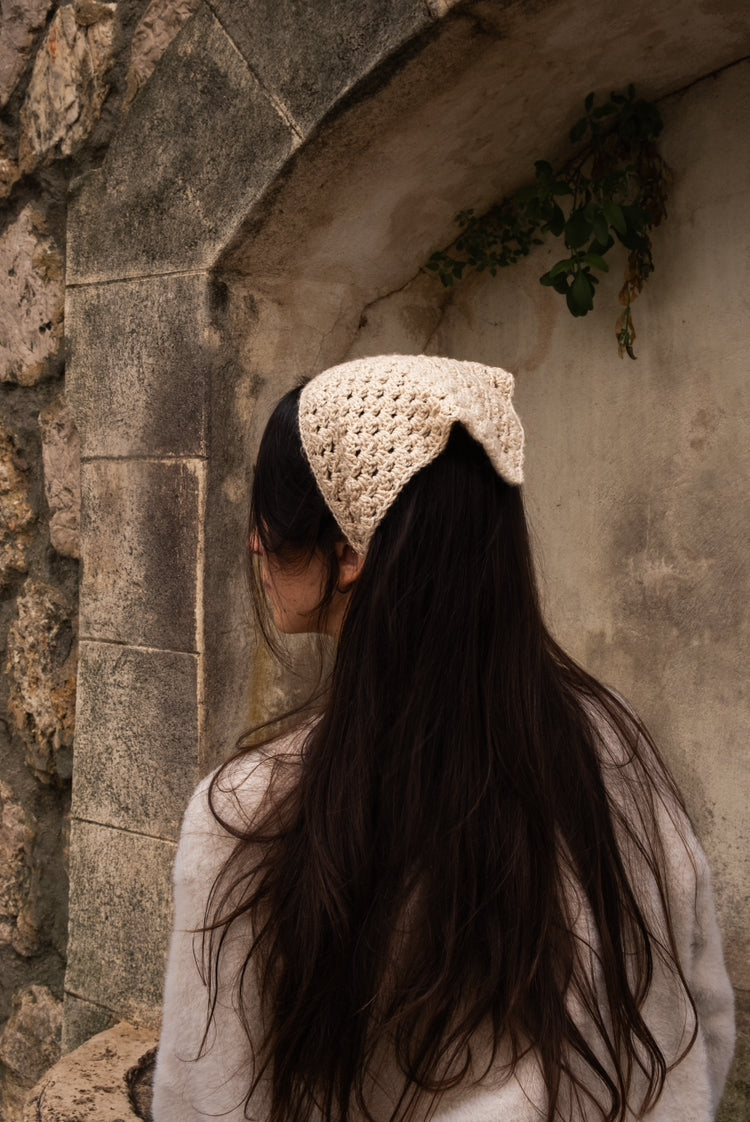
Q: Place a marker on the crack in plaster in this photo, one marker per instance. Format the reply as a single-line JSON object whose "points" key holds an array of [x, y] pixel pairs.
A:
{"points": [[441, 305], [704, 78]]}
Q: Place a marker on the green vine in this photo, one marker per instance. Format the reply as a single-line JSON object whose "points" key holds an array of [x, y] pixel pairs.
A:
{"points": [[611, 192]]}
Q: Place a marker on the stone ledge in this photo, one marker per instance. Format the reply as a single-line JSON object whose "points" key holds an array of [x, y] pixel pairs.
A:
{"points": [[95, 1083]]}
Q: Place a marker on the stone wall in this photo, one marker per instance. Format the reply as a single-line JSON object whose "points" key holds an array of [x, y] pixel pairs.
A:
{"points": [[68, 73]]}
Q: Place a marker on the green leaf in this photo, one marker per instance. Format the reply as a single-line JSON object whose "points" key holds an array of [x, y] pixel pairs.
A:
{"points": [[601, 227], [580, 295], [615, 217], [636, 217], [564, 266], [559, 283], [577, 230], [634, 242], [596, 262], [556, 221]]}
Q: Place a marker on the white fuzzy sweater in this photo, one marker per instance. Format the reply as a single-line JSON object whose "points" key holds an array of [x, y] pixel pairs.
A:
{"points": [[191, 1090]]}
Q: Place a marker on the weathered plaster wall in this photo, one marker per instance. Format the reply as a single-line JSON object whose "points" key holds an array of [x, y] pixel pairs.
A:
{"points": [[66, 69], [637, 473]]}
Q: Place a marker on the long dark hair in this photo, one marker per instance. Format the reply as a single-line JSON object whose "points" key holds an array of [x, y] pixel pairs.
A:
{"points": [[409, 881]]}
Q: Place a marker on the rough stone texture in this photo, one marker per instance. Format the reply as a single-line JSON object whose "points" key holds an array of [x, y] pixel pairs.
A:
{"points": [[9, 171], [120, 919], [61, 458], [82, 1020], [141, 536], [137, 750], [20, 21], [16, 515], [91, 1084], [29, 1045], [16, 842], [439, 8], [41, 664], [309, 55], [157, 28], [67, 87], [124, 225], [31, 300], [138, 366]]}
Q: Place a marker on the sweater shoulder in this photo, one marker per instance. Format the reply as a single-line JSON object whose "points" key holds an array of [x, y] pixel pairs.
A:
{"points": [[226, 803]]}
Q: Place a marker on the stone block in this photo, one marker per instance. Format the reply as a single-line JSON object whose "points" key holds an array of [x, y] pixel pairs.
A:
{"points": [[137, 368], [120, 919], [42, 657], [82, 1020], [68, 86], [309, 55], [9, 170], [141, 535], [29, 1045], [156, 29], [201, 143], [22, 20], [16, 515], [31, 300], [61, 457], [16, 842], [137, 749]]}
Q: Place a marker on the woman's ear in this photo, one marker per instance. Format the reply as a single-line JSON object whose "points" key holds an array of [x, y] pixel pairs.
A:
{"points": [[350, 565]]}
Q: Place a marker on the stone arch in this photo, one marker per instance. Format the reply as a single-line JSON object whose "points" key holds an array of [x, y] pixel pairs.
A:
{"points": [[288, 166]]}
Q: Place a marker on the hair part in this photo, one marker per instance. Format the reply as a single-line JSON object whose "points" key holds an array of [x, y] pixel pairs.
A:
{"points": [[411, 872]]}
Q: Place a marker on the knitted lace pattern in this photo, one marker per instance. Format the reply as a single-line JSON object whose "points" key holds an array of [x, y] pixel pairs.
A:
{"points": [[369, 425]]}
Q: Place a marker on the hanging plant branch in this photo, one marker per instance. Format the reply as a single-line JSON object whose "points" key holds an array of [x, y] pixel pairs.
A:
{"points": [[611, 193]]}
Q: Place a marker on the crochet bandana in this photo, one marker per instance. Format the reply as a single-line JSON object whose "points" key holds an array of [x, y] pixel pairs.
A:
{"points": [[369, 425]]}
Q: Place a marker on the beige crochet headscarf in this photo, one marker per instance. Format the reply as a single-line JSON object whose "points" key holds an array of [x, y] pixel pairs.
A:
{"points": [[369, 425]]}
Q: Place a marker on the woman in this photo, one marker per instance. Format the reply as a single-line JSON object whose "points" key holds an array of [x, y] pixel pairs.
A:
{"points": [[467, 889]]}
